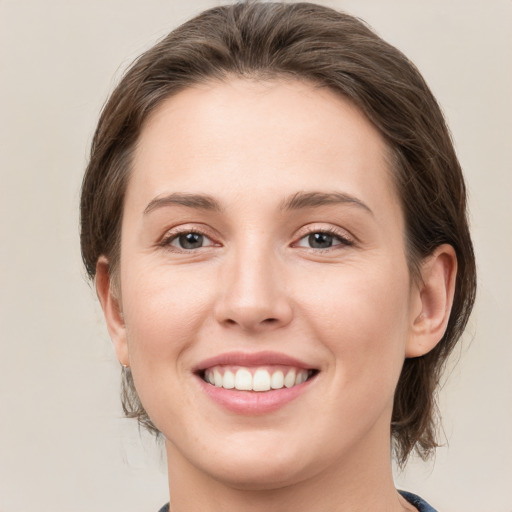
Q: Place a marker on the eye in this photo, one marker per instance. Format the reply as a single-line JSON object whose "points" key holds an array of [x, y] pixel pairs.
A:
{"points": [[189, 241], [322, 240]]}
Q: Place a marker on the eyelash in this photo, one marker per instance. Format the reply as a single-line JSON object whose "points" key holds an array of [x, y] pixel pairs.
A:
{"points": [[167, 242], [174, 236], [343, 240]]}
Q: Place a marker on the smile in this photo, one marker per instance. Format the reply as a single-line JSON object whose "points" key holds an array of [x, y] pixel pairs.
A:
{"points": [[254, 384], [256, 378]]}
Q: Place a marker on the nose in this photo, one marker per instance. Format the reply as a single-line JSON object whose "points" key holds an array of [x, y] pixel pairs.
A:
{"points": [[253, 295]]}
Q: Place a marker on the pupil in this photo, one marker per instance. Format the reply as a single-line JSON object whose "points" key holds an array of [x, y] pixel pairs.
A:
{"points": [[191, 241], [320, 240]]}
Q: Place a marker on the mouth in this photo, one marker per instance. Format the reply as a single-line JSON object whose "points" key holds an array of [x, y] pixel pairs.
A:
{"points": [[257, 383], [256, 378]]}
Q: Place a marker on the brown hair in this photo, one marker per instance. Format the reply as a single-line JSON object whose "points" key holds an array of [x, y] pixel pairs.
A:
{"points": [[315, 43]]}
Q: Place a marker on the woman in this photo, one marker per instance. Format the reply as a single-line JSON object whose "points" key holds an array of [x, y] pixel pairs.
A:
{"points": [[275, 219]]}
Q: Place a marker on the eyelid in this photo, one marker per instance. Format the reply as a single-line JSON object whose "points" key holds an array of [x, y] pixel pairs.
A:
{"points": [[346, 238], [173, 233], [341, 234], [176, 238]]}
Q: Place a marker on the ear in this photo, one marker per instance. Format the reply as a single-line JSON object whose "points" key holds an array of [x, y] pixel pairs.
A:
{"points": [[433, 301], [112, 309]]}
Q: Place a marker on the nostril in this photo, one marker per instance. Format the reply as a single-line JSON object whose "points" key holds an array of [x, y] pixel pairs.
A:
{"points": [[266, 321]]}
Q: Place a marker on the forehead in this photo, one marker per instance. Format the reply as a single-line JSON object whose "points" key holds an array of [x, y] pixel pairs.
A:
{"points": [[267, 137]]}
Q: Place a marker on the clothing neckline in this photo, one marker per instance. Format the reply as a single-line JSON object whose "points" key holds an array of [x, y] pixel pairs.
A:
{"points": [[418, 502], [413, 499]]}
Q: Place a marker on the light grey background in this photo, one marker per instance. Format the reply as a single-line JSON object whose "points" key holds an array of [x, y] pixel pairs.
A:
{"points": [[63, 443]]}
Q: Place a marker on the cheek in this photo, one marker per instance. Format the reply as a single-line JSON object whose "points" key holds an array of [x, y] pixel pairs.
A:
{"points": [[362, 317], [163, 309], [163, 314]]}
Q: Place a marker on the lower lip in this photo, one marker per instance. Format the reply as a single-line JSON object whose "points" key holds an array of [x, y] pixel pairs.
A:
{"points": [[253, 402]]}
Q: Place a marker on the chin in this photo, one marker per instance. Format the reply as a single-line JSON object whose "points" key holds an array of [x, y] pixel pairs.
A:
{"points": [[253, 461], [259, 475]]}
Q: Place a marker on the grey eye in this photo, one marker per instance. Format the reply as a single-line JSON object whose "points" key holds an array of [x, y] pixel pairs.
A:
{"points": [[323, 240], [189, 241], [320, 240]]}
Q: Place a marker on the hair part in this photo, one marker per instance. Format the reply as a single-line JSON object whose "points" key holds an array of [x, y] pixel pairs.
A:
{"points": [[309, 42]]}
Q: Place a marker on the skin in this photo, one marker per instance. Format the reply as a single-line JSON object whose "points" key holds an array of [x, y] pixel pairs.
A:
{"points": [[351, 311]]}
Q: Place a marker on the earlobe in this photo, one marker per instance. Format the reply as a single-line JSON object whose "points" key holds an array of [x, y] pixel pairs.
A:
{"points": [[435, 294], [111, 305]]}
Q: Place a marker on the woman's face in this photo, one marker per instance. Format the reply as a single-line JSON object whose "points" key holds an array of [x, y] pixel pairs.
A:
{"points": [[263, 244]]}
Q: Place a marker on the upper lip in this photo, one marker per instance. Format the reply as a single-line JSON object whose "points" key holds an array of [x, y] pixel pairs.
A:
{"points": [[266, 358]]}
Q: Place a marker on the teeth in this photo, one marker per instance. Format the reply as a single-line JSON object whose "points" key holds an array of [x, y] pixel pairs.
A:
{"points": [[289, 380], [277, 381], [243, 380], [301, 377], [229, 380], [262, 380]]}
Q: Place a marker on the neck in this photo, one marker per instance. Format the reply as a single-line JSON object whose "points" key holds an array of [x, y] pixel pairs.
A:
{"points": [[362, 481]]}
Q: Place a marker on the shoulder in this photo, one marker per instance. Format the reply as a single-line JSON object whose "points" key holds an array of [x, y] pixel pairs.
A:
{"points": [[165, 508], [419, 503]]}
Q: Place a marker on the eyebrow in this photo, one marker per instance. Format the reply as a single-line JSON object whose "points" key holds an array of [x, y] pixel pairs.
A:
{"points": [[197, 201], [313, 199], [300, 200]]}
